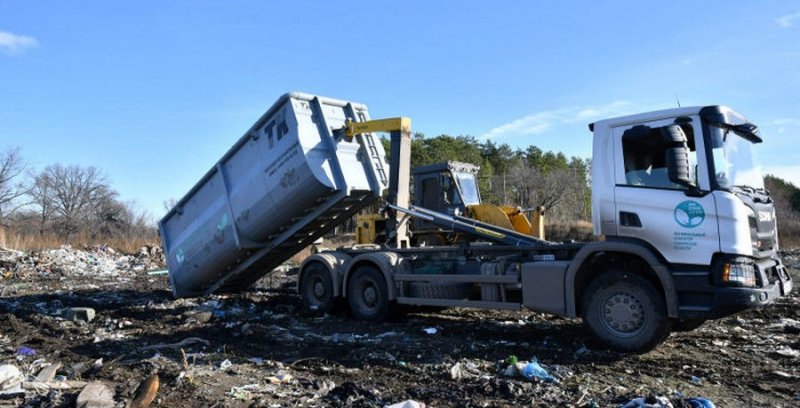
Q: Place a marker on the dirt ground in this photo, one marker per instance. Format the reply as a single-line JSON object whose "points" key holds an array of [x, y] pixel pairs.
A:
{"points": [[258, 349]]}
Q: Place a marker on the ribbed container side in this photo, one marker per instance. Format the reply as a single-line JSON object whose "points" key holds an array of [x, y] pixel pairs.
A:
{"points": [[288, 180]]}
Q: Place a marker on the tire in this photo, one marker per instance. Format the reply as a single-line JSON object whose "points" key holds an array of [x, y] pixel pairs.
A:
{"points": [[684, 325], [439, 290], [316, 290], [625, 312], [367, 295]]}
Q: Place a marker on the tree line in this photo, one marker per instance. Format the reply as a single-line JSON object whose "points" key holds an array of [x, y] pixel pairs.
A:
{"points": [[527, 178], [67, 202]]}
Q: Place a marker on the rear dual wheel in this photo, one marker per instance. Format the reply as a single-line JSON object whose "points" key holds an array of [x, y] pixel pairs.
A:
{"points": [[368, 294]]}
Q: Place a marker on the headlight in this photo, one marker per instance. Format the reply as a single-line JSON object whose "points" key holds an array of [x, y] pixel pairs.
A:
{"points": [[739, 274]]}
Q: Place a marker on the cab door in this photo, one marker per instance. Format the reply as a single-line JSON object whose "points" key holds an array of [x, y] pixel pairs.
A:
{"points": [[682, 226]]}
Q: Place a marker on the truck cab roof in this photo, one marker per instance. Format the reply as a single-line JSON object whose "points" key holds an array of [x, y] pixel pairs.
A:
{"points": [[717, 112]]}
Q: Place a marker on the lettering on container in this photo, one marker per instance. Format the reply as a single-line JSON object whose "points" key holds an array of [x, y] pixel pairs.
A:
{"points": [[285, 157]]}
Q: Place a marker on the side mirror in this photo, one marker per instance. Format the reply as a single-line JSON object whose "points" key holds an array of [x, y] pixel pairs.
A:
{"points": [[677, 158]]}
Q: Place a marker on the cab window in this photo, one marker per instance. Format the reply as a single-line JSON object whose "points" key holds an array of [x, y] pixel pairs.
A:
{"points": [[645, 155]]}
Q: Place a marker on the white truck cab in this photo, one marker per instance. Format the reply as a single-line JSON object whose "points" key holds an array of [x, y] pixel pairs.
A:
{"points": [[685, 183]]}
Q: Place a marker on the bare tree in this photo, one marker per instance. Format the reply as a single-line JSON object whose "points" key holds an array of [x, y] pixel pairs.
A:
{"points": [[561, 191], [12, 187], [75, 192], [41, 194]]}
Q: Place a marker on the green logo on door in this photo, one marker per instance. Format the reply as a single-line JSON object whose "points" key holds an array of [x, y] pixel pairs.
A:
{"points": [[689, 214]]}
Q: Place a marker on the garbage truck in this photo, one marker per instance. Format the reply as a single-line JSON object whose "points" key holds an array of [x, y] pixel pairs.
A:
{"points": [[686, 230]]}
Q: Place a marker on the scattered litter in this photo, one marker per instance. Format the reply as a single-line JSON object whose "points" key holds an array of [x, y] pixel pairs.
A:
{"points": [[59, 383], [534, 370], [650, 401], [10, 380], [243, 392], [406, 404], [80, 314], [783, 374], [787, 351], [350, 391], [158, 272], [384, 363], [464, 370], [48, 372], [146, 392], [512, 360], [323, 387], [280, 378], [199, 316], [95, 395], [26, 351], [700, 403]]}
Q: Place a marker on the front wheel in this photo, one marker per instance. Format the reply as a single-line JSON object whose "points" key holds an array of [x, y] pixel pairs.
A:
{"points": [[367, 294], [625, 312]]}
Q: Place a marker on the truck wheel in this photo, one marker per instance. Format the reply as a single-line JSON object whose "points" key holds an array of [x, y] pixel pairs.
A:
{"points": [[317, 289], [439, 290], [684, 325], [625, 312], [368, 295]]}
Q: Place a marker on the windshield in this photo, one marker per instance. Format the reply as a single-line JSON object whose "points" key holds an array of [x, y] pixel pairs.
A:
{"points": [[469, 187], [734, 159]]}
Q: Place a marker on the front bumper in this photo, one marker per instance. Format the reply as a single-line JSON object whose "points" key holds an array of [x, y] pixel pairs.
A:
{"points": [[732, 300], [700, 298]]}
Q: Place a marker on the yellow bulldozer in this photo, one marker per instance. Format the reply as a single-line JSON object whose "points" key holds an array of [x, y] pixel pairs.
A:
{"points": [[452, 188]]}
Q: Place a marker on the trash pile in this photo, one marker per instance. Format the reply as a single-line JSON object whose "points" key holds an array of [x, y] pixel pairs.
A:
{"points": [[99, 261], [98, 328]]}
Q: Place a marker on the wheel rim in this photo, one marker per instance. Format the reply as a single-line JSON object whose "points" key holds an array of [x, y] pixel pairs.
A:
{"points": [[370, 296], [317, 292], [319, 289], [623, 314]]}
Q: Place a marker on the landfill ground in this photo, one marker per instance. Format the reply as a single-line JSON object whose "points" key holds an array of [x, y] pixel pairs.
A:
{"points": [[259, 349]]}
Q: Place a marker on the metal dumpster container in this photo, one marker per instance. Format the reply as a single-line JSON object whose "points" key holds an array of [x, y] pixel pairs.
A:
{"points": [[287, 181]]}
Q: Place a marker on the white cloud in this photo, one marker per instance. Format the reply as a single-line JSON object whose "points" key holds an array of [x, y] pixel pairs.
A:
{"points": [[786, 121], [541, 122], [14, 44], [787, 20]]}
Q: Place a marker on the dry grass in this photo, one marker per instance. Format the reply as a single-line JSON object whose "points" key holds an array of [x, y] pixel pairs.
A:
{"points": [[126, 245], [789, 234], [573, 230]]}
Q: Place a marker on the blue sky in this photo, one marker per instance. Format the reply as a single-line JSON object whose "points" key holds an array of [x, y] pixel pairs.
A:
{"points": [[154, 92]]}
